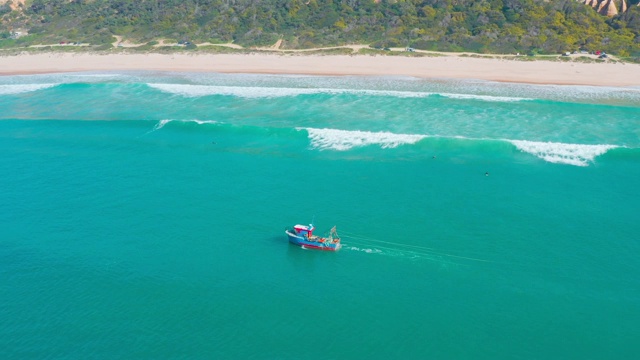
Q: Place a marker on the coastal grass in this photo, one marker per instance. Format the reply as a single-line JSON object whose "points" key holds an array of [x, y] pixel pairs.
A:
{"points": [[480, 56], [331, 51], [206, 49], [154, 47], [631, 59], [525, 58], [372, 51]]}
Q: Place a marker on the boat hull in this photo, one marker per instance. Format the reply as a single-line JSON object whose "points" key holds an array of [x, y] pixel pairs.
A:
{"points": [[307, 244]]}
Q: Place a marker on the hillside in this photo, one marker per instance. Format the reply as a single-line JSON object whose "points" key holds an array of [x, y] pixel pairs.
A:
{"points": [[484, 26]]}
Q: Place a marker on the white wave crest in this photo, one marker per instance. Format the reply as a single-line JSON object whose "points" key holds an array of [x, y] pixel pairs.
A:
{"points": [[572, 154], [344, 140], [394, 93], [484, 97], [272, 92], [200, 122], [162, 123], [423, 94], [268, 92], [239, 91], [23, 88]]}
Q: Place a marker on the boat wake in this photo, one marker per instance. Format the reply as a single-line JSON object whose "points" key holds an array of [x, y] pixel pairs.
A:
{"points": [[375, 246], [368, 251]]}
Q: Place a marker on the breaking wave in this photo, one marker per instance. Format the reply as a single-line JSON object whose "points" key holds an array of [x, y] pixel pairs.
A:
{"points": [[553, 152], [484, 97], [160, 124], [270, 86], [246, 92], [344, 140], [273, 92], [572, 154], [23, 88]]}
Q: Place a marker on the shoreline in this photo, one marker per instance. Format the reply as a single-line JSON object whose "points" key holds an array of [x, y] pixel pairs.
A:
{"points": [[540, 72]]}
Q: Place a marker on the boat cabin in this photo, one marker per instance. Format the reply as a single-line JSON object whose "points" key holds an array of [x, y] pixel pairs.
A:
{"points": [[303, 230]]}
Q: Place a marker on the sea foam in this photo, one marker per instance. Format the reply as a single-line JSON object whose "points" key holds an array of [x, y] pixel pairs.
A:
{"points": [[553, 152], [572, 154], [485, 97], [23, 88], [344, 139], [239, 91], [272, 92], [160, 124]]}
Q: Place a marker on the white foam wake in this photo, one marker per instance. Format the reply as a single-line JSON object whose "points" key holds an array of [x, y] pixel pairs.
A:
{"points": [[23, 88], [344, 140], [272, 92], [572, 154], [368, 251]]}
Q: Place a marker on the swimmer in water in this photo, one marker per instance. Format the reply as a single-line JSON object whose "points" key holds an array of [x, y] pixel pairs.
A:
{"points": [[486, 174]]}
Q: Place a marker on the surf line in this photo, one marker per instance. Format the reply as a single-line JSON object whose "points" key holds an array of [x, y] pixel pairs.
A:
{"points": [[159, 125], [408, 248]]}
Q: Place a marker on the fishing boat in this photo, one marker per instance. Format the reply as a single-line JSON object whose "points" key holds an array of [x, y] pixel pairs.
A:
{"points": [[302, 235]]}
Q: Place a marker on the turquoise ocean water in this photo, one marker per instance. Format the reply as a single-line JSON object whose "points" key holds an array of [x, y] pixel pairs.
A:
{"points": [[142, 215]]}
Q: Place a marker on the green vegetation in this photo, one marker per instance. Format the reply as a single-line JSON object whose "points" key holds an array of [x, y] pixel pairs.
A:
{"points": [[334, 51], [480, 26]]}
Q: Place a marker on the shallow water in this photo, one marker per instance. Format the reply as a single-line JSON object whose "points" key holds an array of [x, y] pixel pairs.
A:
{"points": [[479, 220]]}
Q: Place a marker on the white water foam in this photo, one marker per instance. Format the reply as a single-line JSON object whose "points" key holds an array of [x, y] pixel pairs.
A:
{"points": [[485, 97], [23, 88], [271, 92], [553, 152], [342, 140], [240, 91], [368, 251], [96, 75], [572, 154], [200, 122], [162, 123], [422, 94]]}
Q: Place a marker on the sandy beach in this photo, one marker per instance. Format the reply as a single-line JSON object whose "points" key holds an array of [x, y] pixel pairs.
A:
{"points": [[456, 67]]}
